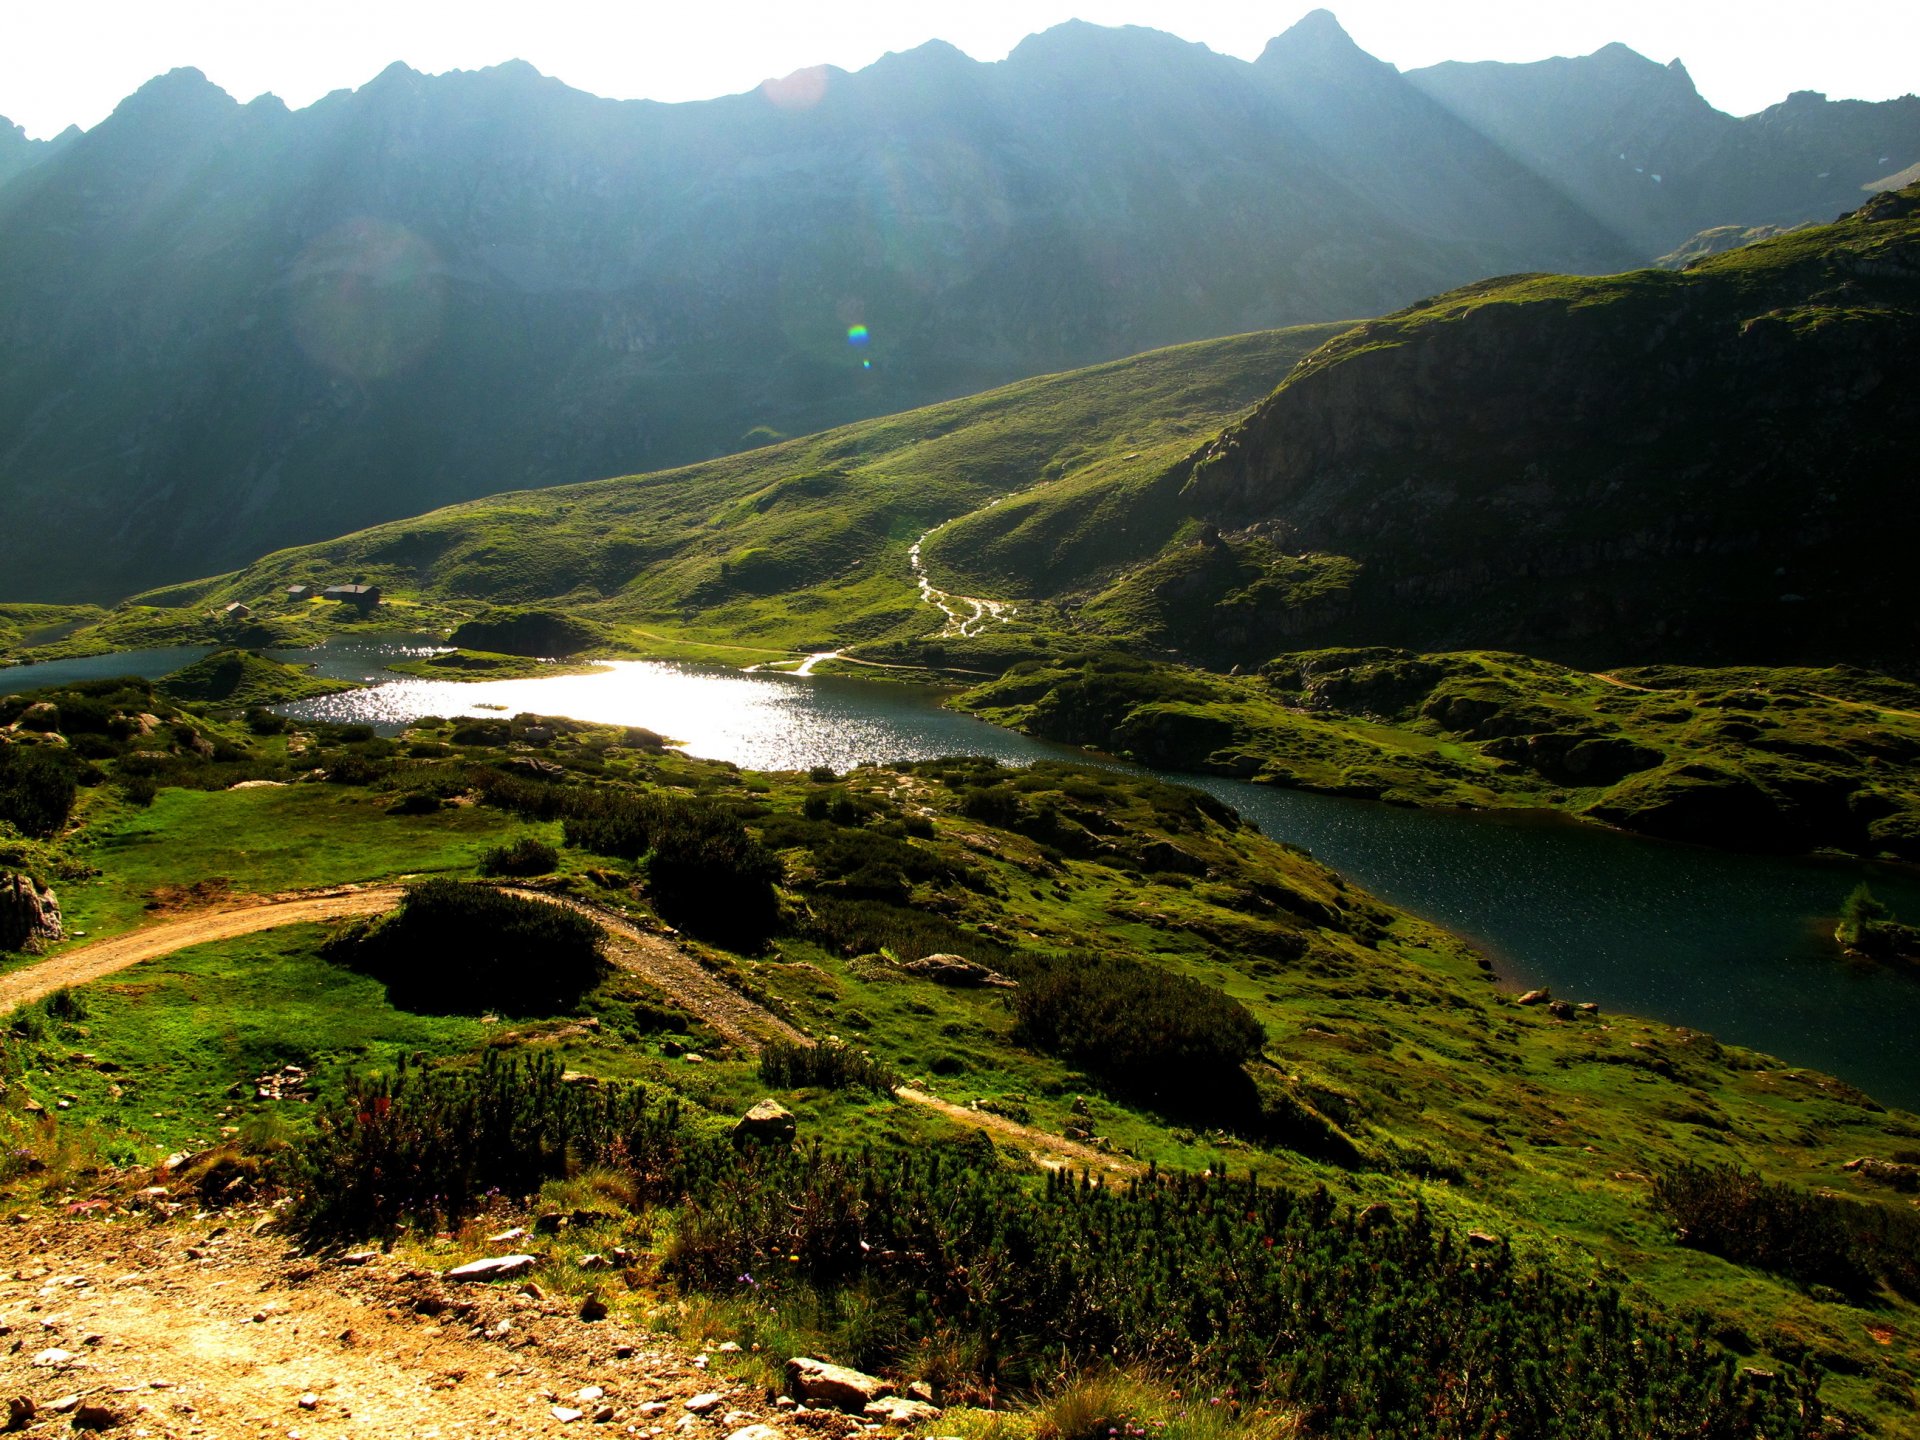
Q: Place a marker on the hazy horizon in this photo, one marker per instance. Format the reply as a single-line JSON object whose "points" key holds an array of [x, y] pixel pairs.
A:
{"points": [[62, 66]]}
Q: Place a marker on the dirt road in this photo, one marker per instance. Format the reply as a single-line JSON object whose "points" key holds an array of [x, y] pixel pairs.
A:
{"points": [[206, 1329], [83, 963], [651, 957]]}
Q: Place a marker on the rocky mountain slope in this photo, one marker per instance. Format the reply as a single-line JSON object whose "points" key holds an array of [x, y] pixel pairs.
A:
{"points": [[1633, 141], [1711, 464], [234, 327]]}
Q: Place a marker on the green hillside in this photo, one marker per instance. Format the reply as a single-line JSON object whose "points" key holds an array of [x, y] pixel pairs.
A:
{"points": [[798, 545]]}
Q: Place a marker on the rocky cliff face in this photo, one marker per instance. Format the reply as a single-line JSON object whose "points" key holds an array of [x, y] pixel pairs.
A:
{"points": [[1715, 462]]}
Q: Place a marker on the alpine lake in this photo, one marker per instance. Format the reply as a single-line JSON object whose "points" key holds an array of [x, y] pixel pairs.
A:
{"points": [[1738, 946]]}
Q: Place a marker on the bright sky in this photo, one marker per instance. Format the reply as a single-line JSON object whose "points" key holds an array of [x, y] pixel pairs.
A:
{"points": [[63, 63]]}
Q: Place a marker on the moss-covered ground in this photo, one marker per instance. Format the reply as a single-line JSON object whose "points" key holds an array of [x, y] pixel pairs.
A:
{"points": [[1789, 759]]}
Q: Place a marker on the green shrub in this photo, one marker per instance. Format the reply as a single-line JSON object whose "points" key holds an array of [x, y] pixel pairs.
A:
{"points": [[526, 856], [1814, 1239], [830, 1065], [458, 947], [709, 877], [1144, 1030], [37, 790], [435, 1145]]}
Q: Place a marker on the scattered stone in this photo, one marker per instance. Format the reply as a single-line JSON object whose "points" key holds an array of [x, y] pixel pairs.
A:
{"points": [[360, 1257], [566, 1414], [496, 1267], [1887, 1172], [1535, 997], [784, 1402], [768, 1121], [755, 1432], [654, 1407], [728, 1347], [1588, 1008], [593, 1308], [1560, 1009], [594, 1262], [587, 1394], [898, 1410], [1482, 1239], [957, 971], [508, 1237], [65, 1405], [835, 1385], [90, 1416], [625, 1352], [53, 1359], [703, 1402], [309, 1401], [20, 1412]]}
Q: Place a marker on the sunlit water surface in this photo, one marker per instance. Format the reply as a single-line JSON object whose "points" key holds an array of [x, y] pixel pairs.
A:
{"points": [[1732, 944]]}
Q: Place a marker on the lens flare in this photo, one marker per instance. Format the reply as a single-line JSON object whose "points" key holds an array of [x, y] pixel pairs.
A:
{"points": [[856, 335], [367, 299]]}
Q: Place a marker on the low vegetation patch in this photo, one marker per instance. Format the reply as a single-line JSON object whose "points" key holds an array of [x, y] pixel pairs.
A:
{"points": [[455, 948], [830, 1065], [1144, 1030]]}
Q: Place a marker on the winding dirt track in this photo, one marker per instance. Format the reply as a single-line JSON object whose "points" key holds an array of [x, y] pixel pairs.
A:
{"points": [[656, 960], [103, 957]]}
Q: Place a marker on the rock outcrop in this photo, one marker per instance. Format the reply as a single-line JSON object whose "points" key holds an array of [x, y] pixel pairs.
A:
{"points": [[29, 913]]}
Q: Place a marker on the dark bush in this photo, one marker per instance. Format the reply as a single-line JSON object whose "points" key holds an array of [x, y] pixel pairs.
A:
{"points": [[1814, 1239], [526, 856], [36, 790], [831, 1065], [613, 822], [458, 947], [433, 1146], [855, 927], [711, 878], [1144, 1030]]}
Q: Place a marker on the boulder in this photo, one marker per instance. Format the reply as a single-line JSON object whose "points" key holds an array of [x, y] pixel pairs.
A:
{"points": [[29, 913], [898, 1410], [817, 1382], [1535, 997], [707, 1400], [769, 1121], [957, 971], [495, 1267], [1560, 1009]]}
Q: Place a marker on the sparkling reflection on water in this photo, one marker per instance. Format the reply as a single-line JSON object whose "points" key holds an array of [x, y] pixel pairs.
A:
{"points": [[1736, 945]]}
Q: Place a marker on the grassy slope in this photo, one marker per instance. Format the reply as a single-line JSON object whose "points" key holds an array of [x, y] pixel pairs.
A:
{"points": [[1785, 759], [802, 544], [1382, 1030]]}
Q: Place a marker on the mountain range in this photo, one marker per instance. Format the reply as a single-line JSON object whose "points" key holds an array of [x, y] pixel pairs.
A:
{"points": [[229, 328]]}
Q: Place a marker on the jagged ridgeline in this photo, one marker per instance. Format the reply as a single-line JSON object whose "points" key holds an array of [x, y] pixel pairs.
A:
{"points": [[233, 327], [1714, 463]]}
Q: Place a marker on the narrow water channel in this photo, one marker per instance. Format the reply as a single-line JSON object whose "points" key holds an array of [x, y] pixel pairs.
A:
{"points": [[1731, 944]]}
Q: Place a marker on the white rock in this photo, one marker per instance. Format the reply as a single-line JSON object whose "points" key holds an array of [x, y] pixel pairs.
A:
{"points": [[703, 1402], [566, 1413], [588, 1393], [495, 1267], [53, 1359]]}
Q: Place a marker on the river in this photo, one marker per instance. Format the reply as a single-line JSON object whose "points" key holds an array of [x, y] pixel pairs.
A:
{"points": [[1735, 945]]}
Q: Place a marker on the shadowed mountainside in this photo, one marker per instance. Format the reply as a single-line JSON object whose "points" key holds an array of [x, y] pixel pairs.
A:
{"points": [[234, 327]]}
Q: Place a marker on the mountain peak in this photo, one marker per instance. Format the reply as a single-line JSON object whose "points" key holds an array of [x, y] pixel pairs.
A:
{"points": [[181, 94], [1317, 40]]}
